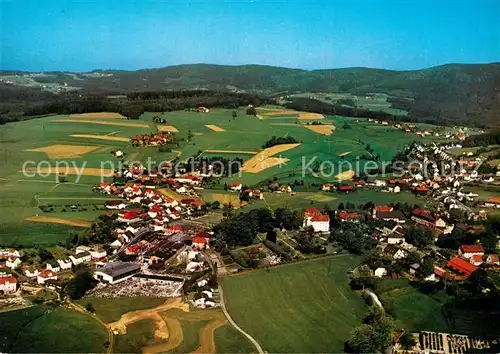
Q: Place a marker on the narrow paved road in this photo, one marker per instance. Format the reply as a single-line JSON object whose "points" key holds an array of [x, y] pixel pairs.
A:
{"points": [[250, 338]]}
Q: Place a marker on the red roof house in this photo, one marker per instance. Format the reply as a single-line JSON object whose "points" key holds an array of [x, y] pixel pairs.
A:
{"points": [[385, 208], [461, 266], [472, 249], [346, 188], [348, 216]]}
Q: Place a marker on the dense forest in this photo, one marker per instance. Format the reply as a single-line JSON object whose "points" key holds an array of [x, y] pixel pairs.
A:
{"points": [[454, 93]]}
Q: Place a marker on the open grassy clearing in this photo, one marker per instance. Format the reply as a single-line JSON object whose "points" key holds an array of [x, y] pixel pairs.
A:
{"points": [[41, 329], [414, 311], [302, 307], [118, 124], [111, 309], [229, 340]]}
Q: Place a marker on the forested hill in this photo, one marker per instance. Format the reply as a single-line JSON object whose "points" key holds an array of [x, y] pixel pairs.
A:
{"points": [[454, 92]]}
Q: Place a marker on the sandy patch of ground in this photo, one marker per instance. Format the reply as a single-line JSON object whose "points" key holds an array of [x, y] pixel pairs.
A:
{"points": [[344, 154], [119, 124], [346, 175], [167, 128], [260, 116], [233, 152], [162, 330], [325, 129], [267, 163], [71, 170], [214, 128], [207, 343], [167, 192], [54, 220], [197, 133], [265, 154], [101, 137], [320, 197], [309, 115], [65, 151], [175, 337], [101, 115]]}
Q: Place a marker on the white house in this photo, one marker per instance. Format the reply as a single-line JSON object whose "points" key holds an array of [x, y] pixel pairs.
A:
{"points": [[380, 272], [194, 266], [31, 272], [8, 283], [65, 264], [97, 254], [80, 258], [45, 275], [236, 186], [468, 251], [395, 252], [53, 266], [319, 222], [202, 283], [13, 262]]}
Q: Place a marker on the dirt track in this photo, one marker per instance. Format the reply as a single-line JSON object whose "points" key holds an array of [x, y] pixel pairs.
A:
{"points": [[214, 128]]}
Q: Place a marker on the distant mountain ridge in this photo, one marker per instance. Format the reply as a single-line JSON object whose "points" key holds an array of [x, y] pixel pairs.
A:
{"points": [[452, 92]]}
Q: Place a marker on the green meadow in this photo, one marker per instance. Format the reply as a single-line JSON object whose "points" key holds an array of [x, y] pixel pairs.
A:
{"points": [[40, 329], [21, 195], [305, 307]]}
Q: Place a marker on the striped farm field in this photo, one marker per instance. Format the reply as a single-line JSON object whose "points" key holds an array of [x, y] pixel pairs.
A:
{"points": [[214, 128], [53, 220], [265, 154], [101, 115], [100, 137], [167, 128]]}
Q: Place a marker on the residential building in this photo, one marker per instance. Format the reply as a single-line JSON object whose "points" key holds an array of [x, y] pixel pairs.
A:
{"points": [[80, 258], [314, 218], [13, 262], [117, 271], [65, 264], [394, 252], [468, 251], [45, 275], [380, 272], [492, 259], [8, 283], [348, 216]]}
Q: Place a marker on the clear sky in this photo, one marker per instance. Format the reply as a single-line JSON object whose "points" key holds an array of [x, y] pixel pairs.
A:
{"points": [[41, 35]]}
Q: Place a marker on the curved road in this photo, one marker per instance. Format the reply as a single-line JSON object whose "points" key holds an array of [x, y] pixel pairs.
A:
{"points": [[250, 338]]}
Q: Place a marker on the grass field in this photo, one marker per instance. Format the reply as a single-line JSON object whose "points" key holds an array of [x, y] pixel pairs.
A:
{"points": [[42, 330], [139, 335], [301, 307], [414, 310], [229, 340], [111, 309], [37, 140]]}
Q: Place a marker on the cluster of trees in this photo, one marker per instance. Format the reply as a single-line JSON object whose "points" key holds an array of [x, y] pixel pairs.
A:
{"points": [[221, 166], [241, 229], [279, 140], [490, 138], [100, 232], [82, 282], [375, 335], [352, 237]]}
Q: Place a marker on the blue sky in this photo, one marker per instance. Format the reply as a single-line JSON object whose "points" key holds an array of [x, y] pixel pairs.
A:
{"points": [[42, 35]]}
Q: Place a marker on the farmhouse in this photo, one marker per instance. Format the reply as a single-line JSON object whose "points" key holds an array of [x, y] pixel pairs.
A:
{"points": [[348, 216], [45, 275], [65, 264], [98, 254], [469, 251], [380, 272], [314, 218], [13, 262], [115, 204], [53, 266], [116, 271], [345, 189], [236, 186], [8, 283], [394, 252], [393, 215], [129, 216], [493, 202], [199, 242]]}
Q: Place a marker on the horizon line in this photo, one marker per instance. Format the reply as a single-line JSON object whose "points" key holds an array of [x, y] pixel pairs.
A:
{"points": [[241, 65]]}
